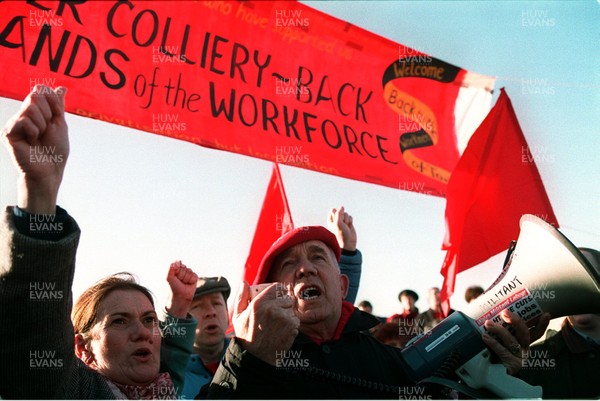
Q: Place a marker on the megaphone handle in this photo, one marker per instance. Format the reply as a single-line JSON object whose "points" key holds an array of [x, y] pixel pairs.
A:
{"points": [[507, 386], [451, 385], [479, 372]]}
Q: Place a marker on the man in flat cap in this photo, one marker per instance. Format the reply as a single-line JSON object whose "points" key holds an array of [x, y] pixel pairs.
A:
{"points": [[209, 307], [407, 299], [298, 338], [434, 315]]}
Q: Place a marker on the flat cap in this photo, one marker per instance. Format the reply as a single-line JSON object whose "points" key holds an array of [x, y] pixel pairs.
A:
{"points": [[408, 293], [209, 285]]}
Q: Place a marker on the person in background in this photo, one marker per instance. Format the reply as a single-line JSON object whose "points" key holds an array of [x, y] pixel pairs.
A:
{"points": [[567, 362], [432, 316], [472, 293], [209, 307], [408, 299], [365, 306]]}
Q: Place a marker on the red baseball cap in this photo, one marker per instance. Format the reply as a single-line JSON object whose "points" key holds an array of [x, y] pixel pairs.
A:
{"points": [[291, 238]]}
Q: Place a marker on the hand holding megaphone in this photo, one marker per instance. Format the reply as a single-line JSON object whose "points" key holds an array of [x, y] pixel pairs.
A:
{"points": [[544, 275], [508, 347]]}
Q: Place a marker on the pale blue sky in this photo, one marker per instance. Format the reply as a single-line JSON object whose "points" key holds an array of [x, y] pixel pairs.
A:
{"points": [[143, 200]]}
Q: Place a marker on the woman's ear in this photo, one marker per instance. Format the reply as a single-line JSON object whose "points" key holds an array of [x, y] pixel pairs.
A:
{"points": [[82, 350]]}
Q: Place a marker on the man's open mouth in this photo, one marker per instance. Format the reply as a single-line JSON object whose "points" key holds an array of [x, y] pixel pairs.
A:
{"points": [[211, 328], [308, 293]]}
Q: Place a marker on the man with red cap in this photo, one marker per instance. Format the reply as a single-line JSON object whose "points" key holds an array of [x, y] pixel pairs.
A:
{"points": [[298, 338]]}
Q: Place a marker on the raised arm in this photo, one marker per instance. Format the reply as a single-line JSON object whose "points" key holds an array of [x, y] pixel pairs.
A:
{"points": [[178, 327], [341, 224], [37, 138], [37, 255]]}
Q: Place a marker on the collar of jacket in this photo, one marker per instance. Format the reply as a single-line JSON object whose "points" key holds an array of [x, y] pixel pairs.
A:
{"points": [[358, 321], [574, 341]]}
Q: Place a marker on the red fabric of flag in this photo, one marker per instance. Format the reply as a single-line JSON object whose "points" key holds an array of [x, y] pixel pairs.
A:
{"points": [[495, 182], [275, 220]]}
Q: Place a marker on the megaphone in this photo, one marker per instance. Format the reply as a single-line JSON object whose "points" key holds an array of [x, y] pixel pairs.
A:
{"points": [[544, 272]]}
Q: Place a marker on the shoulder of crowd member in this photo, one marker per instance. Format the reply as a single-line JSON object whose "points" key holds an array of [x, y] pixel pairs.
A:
{"points": [[351, 265], [177, 346], [242, 375], [32, 271]]}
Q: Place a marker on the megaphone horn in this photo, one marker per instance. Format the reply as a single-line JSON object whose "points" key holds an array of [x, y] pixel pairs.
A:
{"points": [[544, 273]]}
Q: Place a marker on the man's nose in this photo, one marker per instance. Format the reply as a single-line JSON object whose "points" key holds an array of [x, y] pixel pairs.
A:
{"points": [[210, 311], [305, 268]]}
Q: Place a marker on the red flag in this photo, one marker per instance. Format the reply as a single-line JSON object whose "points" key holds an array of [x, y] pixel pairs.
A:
{"points": [[275, 220], [495, 182]]}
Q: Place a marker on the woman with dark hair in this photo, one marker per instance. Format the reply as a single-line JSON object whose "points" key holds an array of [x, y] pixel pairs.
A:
{"points": [[113, 348]]}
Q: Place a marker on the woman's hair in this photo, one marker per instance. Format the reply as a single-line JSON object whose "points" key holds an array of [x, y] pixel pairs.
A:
{"points": [[85, 310]]}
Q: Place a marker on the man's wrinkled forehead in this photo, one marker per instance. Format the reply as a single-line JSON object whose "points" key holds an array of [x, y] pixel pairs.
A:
{"points": [[310, 247]]}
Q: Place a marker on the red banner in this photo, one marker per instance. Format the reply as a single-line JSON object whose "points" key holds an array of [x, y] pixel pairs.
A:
{"points": [[274, 80]]}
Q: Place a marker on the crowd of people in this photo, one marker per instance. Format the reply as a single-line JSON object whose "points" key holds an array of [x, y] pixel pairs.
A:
{"points": [[300, 337]]}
